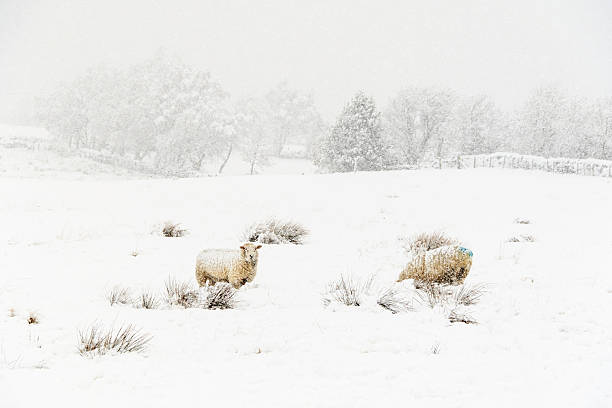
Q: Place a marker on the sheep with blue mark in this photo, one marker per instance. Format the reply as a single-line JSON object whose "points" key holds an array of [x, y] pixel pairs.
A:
{"points": [[449, 264]]}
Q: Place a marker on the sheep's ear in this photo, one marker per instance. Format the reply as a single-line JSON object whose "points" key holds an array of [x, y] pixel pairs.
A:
{"points": [[241, 246], [258, 246]]}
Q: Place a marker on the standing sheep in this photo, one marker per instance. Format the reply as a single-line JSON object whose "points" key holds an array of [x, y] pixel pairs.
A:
{"points": [[227, 265], [449, 264]]}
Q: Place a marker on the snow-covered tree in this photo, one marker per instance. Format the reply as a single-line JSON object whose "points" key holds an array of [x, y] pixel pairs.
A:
{"points": [[540, 121], [601, 125], [478, 124], [253, 132], [417, 123], [294, 117], [355, 142]]}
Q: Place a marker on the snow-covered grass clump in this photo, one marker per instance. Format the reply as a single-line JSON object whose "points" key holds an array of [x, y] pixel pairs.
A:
{"points": [[274, 231]]}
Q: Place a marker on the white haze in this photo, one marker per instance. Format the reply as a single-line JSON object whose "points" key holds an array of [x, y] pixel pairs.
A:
{"points": [[330, 48]]}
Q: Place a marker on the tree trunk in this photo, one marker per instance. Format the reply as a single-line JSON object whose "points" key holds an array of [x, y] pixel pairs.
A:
{"points": [[229, 153], [252, 166]]}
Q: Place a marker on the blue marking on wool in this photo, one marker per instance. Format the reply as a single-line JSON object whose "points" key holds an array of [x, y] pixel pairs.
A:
{"points": [[466, 251]]}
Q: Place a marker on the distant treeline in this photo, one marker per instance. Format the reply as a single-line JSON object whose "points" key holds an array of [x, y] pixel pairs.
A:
{"points": [[176, 119]]}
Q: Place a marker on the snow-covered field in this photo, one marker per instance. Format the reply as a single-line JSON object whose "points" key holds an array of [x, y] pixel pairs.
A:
{"points": [[544, 336]]}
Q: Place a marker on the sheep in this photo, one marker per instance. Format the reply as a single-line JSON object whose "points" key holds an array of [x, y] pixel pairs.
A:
{"points": [[227, 265], [449, 264]]}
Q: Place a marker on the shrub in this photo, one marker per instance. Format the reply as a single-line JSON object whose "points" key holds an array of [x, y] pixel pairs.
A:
{"points": [[432, 294], [33, 318], [274, 231], [173, 230], [391, 300], [119, 295], [97, 341], [348, 291], [469, 295], [426, 241], [522, 238], [147, 300], [181, 293], [220, 296], [457, 317], [522, 221]]}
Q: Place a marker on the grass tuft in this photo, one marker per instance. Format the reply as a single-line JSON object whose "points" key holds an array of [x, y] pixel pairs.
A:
{"points": [[33, 318], [181, 293], [426, 241], [348, 291], [274, 231], [173, 230], [97, 341], [391, 300], [147, 300], [119, 295], [220, 296]]}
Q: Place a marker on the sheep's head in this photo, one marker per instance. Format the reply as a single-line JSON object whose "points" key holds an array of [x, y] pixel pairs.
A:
{"points": [[249, 252]]}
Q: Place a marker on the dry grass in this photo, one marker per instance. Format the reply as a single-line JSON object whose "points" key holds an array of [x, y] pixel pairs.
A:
{"points": [[147, 300], [392, 300], [457, 317], [97, 341], [12, 312], [275, 231], [173, 230], [33, 318], [435, 349], [220, 296], [469, 295], [119, 295], [181, 293], [432, 294], [426, 241], [522, 221], [348, 291], [522, 238]]}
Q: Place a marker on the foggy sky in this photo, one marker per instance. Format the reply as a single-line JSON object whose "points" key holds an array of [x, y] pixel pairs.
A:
{"points": [[331, 48]]}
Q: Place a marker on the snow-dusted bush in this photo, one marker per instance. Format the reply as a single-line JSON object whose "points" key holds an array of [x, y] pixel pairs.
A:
{"points": [[173, 230], [33, 318], [522, 221], [348, 291], [220, 296], [426, 241], [456, 316], [147, 300], [392, 300], [119, 295], [274, 231], [432, 294], [181, 293], [95, 340], [469, 295], [522, 238]]}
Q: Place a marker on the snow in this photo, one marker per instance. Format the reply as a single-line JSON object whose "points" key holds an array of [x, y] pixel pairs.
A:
{"points": [[544, 335]]}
